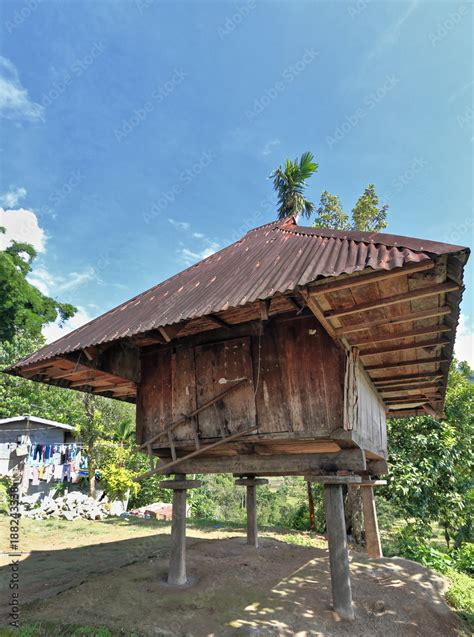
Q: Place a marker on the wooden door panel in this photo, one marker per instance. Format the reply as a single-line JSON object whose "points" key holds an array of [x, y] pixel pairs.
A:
{"points": [[218, 365]]}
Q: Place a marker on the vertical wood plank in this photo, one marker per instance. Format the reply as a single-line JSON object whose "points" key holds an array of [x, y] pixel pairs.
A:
{"points": [[372, 535]]}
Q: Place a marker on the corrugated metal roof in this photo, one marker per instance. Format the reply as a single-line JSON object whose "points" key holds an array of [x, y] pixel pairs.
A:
{"points": [[275, 258], [37, 420]]}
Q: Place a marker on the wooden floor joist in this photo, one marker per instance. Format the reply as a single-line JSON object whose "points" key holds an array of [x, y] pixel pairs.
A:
{"points": [[420, 293], [370, 277], [394, 336], [405, 318], [420, 361], [406, 378], [401, 348]]}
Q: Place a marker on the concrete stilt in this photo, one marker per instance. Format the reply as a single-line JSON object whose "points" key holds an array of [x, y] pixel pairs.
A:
{"points": [[338, 554], [251, 484], [372, 535], [177, 565]]}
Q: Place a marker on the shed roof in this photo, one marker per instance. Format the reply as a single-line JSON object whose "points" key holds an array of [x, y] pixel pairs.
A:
{"points": [[279, 257], [37, 420]]}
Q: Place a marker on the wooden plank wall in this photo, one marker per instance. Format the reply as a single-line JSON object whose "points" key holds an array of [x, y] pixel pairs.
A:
{"points": [[370, 424], [295, 383]]}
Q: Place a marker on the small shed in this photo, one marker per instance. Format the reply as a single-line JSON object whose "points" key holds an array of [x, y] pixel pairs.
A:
{"points": [[282, 354], [39, 431]]}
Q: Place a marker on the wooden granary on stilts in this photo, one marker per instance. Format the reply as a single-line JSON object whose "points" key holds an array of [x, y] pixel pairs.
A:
{"points": [[282, 354]]}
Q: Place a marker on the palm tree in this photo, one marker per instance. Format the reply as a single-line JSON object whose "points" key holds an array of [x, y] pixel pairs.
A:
{"points": [[125, 432], [289, 182]]}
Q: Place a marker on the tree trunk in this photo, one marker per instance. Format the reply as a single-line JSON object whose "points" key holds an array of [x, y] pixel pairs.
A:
{"points": [[91, 473], [312, 518], [354, 517]]}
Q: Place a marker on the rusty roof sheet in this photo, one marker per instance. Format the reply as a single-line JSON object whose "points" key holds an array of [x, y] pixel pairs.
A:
{"points": [[274, 258]]}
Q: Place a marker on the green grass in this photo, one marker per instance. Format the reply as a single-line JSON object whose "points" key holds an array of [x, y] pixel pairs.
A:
{"points": [[461, 595]]}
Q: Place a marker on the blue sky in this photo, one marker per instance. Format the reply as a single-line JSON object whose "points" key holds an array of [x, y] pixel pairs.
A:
{"points": [[137, 136]]}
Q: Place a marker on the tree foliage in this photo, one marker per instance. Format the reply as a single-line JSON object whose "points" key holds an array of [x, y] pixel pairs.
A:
{"points": [[22, 305], [368, 214], [289, 182], [330, 213], [432, 462]]}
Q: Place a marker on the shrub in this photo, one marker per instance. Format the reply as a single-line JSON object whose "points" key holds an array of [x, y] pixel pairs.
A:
{"points": [[461, 594], [5, 483], [464, 558]]}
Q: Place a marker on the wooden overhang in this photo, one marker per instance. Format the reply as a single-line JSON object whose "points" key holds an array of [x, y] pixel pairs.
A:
{"points": [[395, 300]]}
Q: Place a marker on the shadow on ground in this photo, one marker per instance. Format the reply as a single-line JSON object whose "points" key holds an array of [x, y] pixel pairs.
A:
{"points": [[278, 589]]}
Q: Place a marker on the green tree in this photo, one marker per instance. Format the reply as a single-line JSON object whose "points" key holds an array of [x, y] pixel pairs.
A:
{"points": [[432, 463], [22, 305], [330, 213], [289, 182], [90, 431], [19, 396], [369, 215]]}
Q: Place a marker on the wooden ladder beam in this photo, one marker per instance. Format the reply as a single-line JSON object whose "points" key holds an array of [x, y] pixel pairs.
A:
{"points": [[193, 454]]}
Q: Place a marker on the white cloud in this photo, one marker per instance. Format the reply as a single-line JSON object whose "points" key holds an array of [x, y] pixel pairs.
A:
{"points": [[11, 198], [21, 225], [54, 285], [270, 146], [189, 257], [53, 331], [464, 345], [180, 225], [15, 103]]}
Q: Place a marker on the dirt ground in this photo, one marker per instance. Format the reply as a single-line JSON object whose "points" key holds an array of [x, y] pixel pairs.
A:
{"points": [[111, 574]]}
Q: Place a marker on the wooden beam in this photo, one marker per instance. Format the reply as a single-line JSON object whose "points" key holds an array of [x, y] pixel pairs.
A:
{"points": [[370, 277], [338, 554], [405, 297], [90, 353], [429, 410], [166, 467], [169, 332], [421, 361], [394, 388], [318, 313], [401, 413], [264, 309], [400, 348], [395, 320], [218, 321], [283, 464], [406, 377], [382, 338], [407, 400]]}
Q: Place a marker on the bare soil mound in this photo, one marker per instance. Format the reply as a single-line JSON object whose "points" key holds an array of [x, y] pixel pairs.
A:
{"points": [[278, 589]]}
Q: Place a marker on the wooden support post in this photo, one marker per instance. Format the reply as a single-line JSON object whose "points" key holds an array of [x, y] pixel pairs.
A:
{"points": [[177, 567], [372, 535], [251, 484], [338, 554]]}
